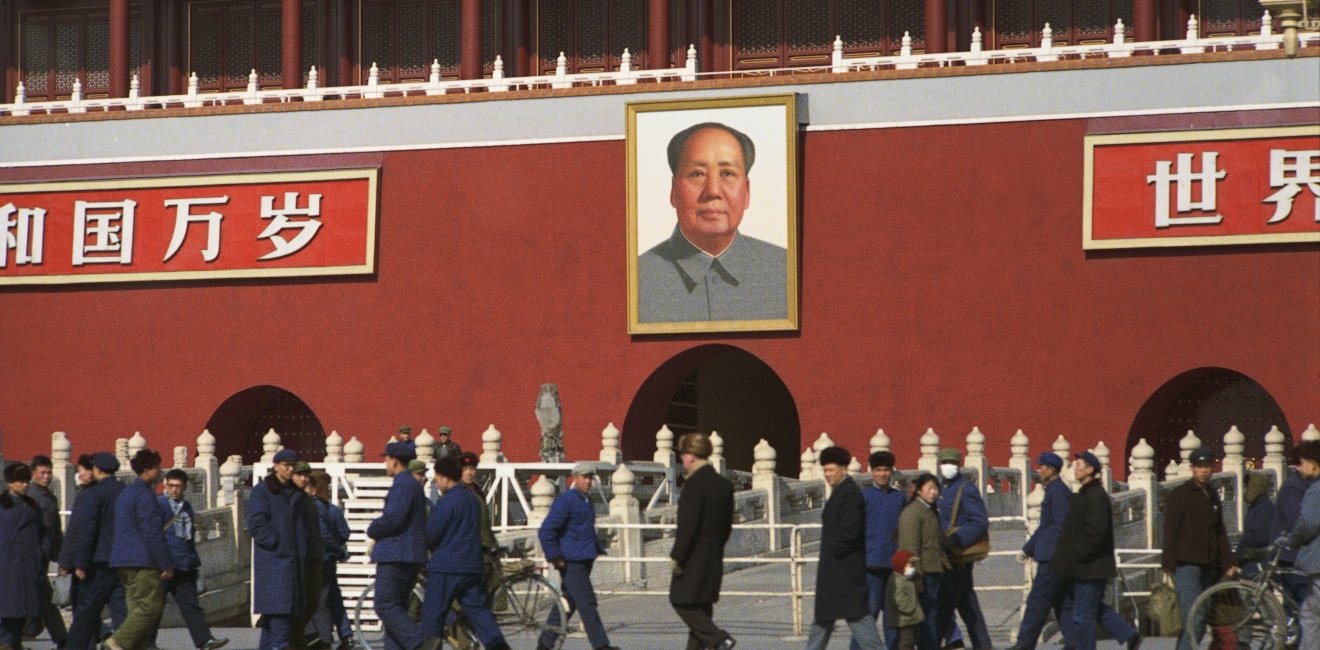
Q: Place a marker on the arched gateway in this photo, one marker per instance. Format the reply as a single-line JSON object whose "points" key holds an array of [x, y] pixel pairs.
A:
{"points": [[1207, 401], [716, 388], [242, 420]]}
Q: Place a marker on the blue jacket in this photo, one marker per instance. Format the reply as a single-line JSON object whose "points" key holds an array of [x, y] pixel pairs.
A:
{"points": [[92, 525], [453, 533], [334, 531], [281, 546], [1053, 510], [1287, 505], [1305, 535], [400, 530], [883, 506], [182, 549], [569, 531], [973, 523], [139, 537], [22, 566]]}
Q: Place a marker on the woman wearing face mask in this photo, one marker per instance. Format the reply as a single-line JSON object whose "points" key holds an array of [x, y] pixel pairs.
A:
{"points": [[919, 534]]}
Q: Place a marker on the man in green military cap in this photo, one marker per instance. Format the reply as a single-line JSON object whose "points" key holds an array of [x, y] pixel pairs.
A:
{"points": [[302, 472], [444, 447], [405, 433], [965, 522]]}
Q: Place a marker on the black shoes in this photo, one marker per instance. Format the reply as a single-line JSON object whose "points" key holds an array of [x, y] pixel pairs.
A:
{"points": [[727, 644], [1134, 642]]}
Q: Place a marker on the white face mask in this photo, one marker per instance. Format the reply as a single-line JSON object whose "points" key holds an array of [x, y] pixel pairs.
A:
{"points": [[949, 471], [910, 571]]}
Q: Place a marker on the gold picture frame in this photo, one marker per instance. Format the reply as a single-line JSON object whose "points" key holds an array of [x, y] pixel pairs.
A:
{"points": [[718, 251]]}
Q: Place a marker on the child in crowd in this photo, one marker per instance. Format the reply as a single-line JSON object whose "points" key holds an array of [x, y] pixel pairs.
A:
{"points": [[902, 609]]}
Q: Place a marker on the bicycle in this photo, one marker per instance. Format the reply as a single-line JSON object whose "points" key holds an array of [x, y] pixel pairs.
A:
{"points": [[1256, 612], [521, 601]]}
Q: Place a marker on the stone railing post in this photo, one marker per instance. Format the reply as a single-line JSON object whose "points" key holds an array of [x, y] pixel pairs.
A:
{"points": [[135, 444], [609, 445], [1186, 446], [270, 443], [1141, 476], [1063, 449], [543, 496], [624, 506], [492, 444], [1173, 471], [717, 452], [854, 466], [1274, 458], [229, 473], [1234, 463], [930, 449], [807, 466], [65, 482], [1311, 433], [181, 456], [764, 478], [976, 457], [425, 446], [1032, 505], [121, 452], [334, 448], [664, 446], [1019, 461], [208, 463], [1101, 451], [879, 442], [354, 450], [822, 443]]}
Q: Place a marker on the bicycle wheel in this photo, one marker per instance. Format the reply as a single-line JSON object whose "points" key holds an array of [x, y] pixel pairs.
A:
{"points": [[364, 639], [1236, 615], [529, 600]]}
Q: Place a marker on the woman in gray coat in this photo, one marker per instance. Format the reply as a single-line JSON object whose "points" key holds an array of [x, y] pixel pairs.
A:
{"points": [[919, 534]]}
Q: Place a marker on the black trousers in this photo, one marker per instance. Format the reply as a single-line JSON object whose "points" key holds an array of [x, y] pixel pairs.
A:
{"points": [[183, 586], [90, 596], [702, 631]]}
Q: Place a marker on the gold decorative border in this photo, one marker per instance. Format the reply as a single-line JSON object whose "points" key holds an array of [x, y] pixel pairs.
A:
{"points": [[789, 103], [371, 175], [1154, 137]]}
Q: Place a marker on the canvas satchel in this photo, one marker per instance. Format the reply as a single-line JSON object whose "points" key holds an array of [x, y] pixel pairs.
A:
{"points": [[972, 553], [1162, 608]]}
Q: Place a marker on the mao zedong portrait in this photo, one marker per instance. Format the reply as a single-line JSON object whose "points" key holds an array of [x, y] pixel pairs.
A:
{"points": [[707, 270]]}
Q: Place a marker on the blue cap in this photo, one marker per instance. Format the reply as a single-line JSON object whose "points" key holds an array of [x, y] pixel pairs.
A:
{"points": [[106, 462], [1090, 459], [286, 456], [404, 451], [1050, 458]]}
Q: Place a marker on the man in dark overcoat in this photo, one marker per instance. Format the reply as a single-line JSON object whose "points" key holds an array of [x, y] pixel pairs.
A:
{"points": [[1084, 558], [1196, 550], [275, 520], [92, 528], [705, 520], [22, 559], [39, 490], [841, 575]]}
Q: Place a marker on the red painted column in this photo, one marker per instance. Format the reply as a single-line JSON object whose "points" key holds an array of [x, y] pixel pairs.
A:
{"points": [[657, 38], [118, 67], [936, 27], [522, 40], [1143, 20], [469, 58], [291, 45], [699, 33]]}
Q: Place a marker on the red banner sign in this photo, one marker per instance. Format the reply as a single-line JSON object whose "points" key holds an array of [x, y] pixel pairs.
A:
{"points": [[189, 227], [1200, 188]]}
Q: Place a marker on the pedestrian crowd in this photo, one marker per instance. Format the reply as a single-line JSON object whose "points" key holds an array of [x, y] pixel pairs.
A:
{"points": [[903, 558]]}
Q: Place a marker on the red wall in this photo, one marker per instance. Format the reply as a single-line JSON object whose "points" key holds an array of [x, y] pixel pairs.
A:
{"points": [[943, 285]]}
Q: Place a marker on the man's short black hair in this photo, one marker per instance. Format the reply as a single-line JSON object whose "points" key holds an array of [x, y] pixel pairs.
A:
{"points": [[85, 461], [1310, 450], [144, 460], [41, 460], [835, 456], [881, 459], [177, 474], [680, 139]]}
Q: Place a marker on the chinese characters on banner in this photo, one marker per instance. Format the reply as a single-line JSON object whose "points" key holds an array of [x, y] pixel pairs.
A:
{"points": [[189, 227], [1199, 188]]}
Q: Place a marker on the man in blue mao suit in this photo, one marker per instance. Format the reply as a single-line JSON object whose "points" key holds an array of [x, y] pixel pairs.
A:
{"points": [[884, 503], [140, 554], [568, 537], [281, 544], [957, 591], [91, 535], [400, 552], [456, 569]]}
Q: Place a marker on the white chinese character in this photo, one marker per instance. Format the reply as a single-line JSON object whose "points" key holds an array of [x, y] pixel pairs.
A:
{"points": [[1184, 179], [110, 244], [27, 239], [307, 228], [1290, 170], [183, 216]]}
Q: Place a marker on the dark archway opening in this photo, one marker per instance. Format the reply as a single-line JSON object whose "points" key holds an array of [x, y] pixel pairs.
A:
{"points": [[242, 421], [716, 388], [1207, 401]]}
